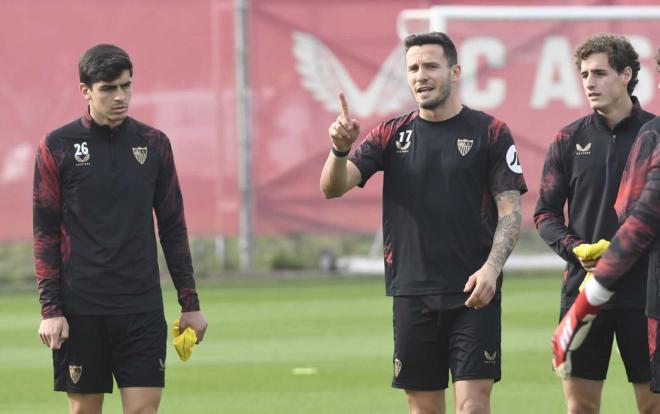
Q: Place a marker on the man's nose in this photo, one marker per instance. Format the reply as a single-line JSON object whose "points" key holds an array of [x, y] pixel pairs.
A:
{"points": [[421, 74], [589, 82], [120, 94]]}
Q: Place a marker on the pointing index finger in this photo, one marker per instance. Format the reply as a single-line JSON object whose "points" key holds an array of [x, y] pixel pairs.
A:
{"points": [[344, 105]]}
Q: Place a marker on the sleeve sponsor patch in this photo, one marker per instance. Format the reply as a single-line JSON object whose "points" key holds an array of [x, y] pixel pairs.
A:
{"points": [[512, 160]]}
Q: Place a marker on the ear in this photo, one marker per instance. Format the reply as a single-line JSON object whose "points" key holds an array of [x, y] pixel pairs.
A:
{"points": [[86, 91], [627, 74], [456, 72]]}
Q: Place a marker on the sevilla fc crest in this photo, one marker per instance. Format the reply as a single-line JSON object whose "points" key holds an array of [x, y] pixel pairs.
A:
{"points": [[140, 154], [464, 145], [397, 367], [75, 372]]}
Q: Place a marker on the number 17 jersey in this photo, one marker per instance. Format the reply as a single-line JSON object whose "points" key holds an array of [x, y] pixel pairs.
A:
{"points": [[439, 188]]}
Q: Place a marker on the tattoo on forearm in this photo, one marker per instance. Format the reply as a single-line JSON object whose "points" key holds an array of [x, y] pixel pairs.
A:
{"points": [[508, 229]]}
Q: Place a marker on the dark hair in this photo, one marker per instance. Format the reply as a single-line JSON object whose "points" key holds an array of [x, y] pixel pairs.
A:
{"points": [[437, 38], [103, 63], [620, 54], [657, 57]]}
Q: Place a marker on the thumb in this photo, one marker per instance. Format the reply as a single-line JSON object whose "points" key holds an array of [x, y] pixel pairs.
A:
{"points": [[64, 335], [470, 284], [54, 341], [183, 324]]}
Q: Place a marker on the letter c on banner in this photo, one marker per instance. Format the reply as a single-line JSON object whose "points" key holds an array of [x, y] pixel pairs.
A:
{"points": [[493, 94]]}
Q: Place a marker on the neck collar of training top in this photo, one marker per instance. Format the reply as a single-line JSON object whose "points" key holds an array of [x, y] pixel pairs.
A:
{"points": [[88, 122], [635, 113]]}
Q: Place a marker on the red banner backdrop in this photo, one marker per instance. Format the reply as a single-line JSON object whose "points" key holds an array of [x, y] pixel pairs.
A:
{"points": [[301, 53]]}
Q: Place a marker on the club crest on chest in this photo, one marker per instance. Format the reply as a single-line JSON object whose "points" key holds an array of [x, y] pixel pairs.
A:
{"points": [[464, 145], [140, 154]]}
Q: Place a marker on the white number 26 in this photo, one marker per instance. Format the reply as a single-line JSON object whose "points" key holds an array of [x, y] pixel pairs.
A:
{"points": [[81, 149]]}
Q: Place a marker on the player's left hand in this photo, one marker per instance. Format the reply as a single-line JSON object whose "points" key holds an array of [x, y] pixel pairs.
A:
{"points": [[195, 320], [570, 333], [482, 283]]}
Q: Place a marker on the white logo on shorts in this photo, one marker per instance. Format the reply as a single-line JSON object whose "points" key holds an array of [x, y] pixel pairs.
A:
{"points": [[75, 372], [490, 357], [397, 367]]}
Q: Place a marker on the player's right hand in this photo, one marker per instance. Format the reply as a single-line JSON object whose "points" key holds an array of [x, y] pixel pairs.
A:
{"points": [[589, 253], [54, 331], [571, 332], [345, 130], [588, 265]]}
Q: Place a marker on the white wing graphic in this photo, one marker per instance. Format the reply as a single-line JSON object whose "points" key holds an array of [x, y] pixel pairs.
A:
{"points": [[323, 75]]}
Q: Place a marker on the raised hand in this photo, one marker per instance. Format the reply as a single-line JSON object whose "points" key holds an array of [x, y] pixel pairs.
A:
{"points": [[345, 130]]}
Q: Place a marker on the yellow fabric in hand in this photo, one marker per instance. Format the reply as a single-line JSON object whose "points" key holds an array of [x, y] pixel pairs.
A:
{"points": [[592, 251], [183, 341]]}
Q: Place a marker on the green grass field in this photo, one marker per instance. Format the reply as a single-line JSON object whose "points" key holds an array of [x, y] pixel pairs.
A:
{"points": [[261, 330]]}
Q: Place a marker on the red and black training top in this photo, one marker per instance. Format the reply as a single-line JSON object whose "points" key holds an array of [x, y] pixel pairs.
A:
{"points": [[638, 206], [583, 167], [95, 191], [439, 212]]}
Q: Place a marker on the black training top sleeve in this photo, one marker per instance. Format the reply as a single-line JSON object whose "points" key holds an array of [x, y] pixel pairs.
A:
{"points": [[168, 205], [553, 193], [47, 241]]}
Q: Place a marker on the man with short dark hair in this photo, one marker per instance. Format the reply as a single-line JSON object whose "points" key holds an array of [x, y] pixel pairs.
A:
{"points": [[451, 216], [97, 182], [583, 167]]}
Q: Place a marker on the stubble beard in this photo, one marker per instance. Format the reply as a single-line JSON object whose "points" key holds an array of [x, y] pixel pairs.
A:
{"points": [[440, 100]]}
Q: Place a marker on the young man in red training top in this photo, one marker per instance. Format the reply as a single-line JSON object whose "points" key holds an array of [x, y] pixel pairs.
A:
{"points": [[97, 182]]}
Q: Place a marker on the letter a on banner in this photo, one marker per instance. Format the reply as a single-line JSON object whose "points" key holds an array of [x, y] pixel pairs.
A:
{"points": [[556, 59]]}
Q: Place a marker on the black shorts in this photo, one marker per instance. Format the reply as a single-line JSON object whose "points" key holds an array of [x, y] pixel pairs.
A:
{"points": [[654, 354], [431, 342], [130, 347], [592, 359]]}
